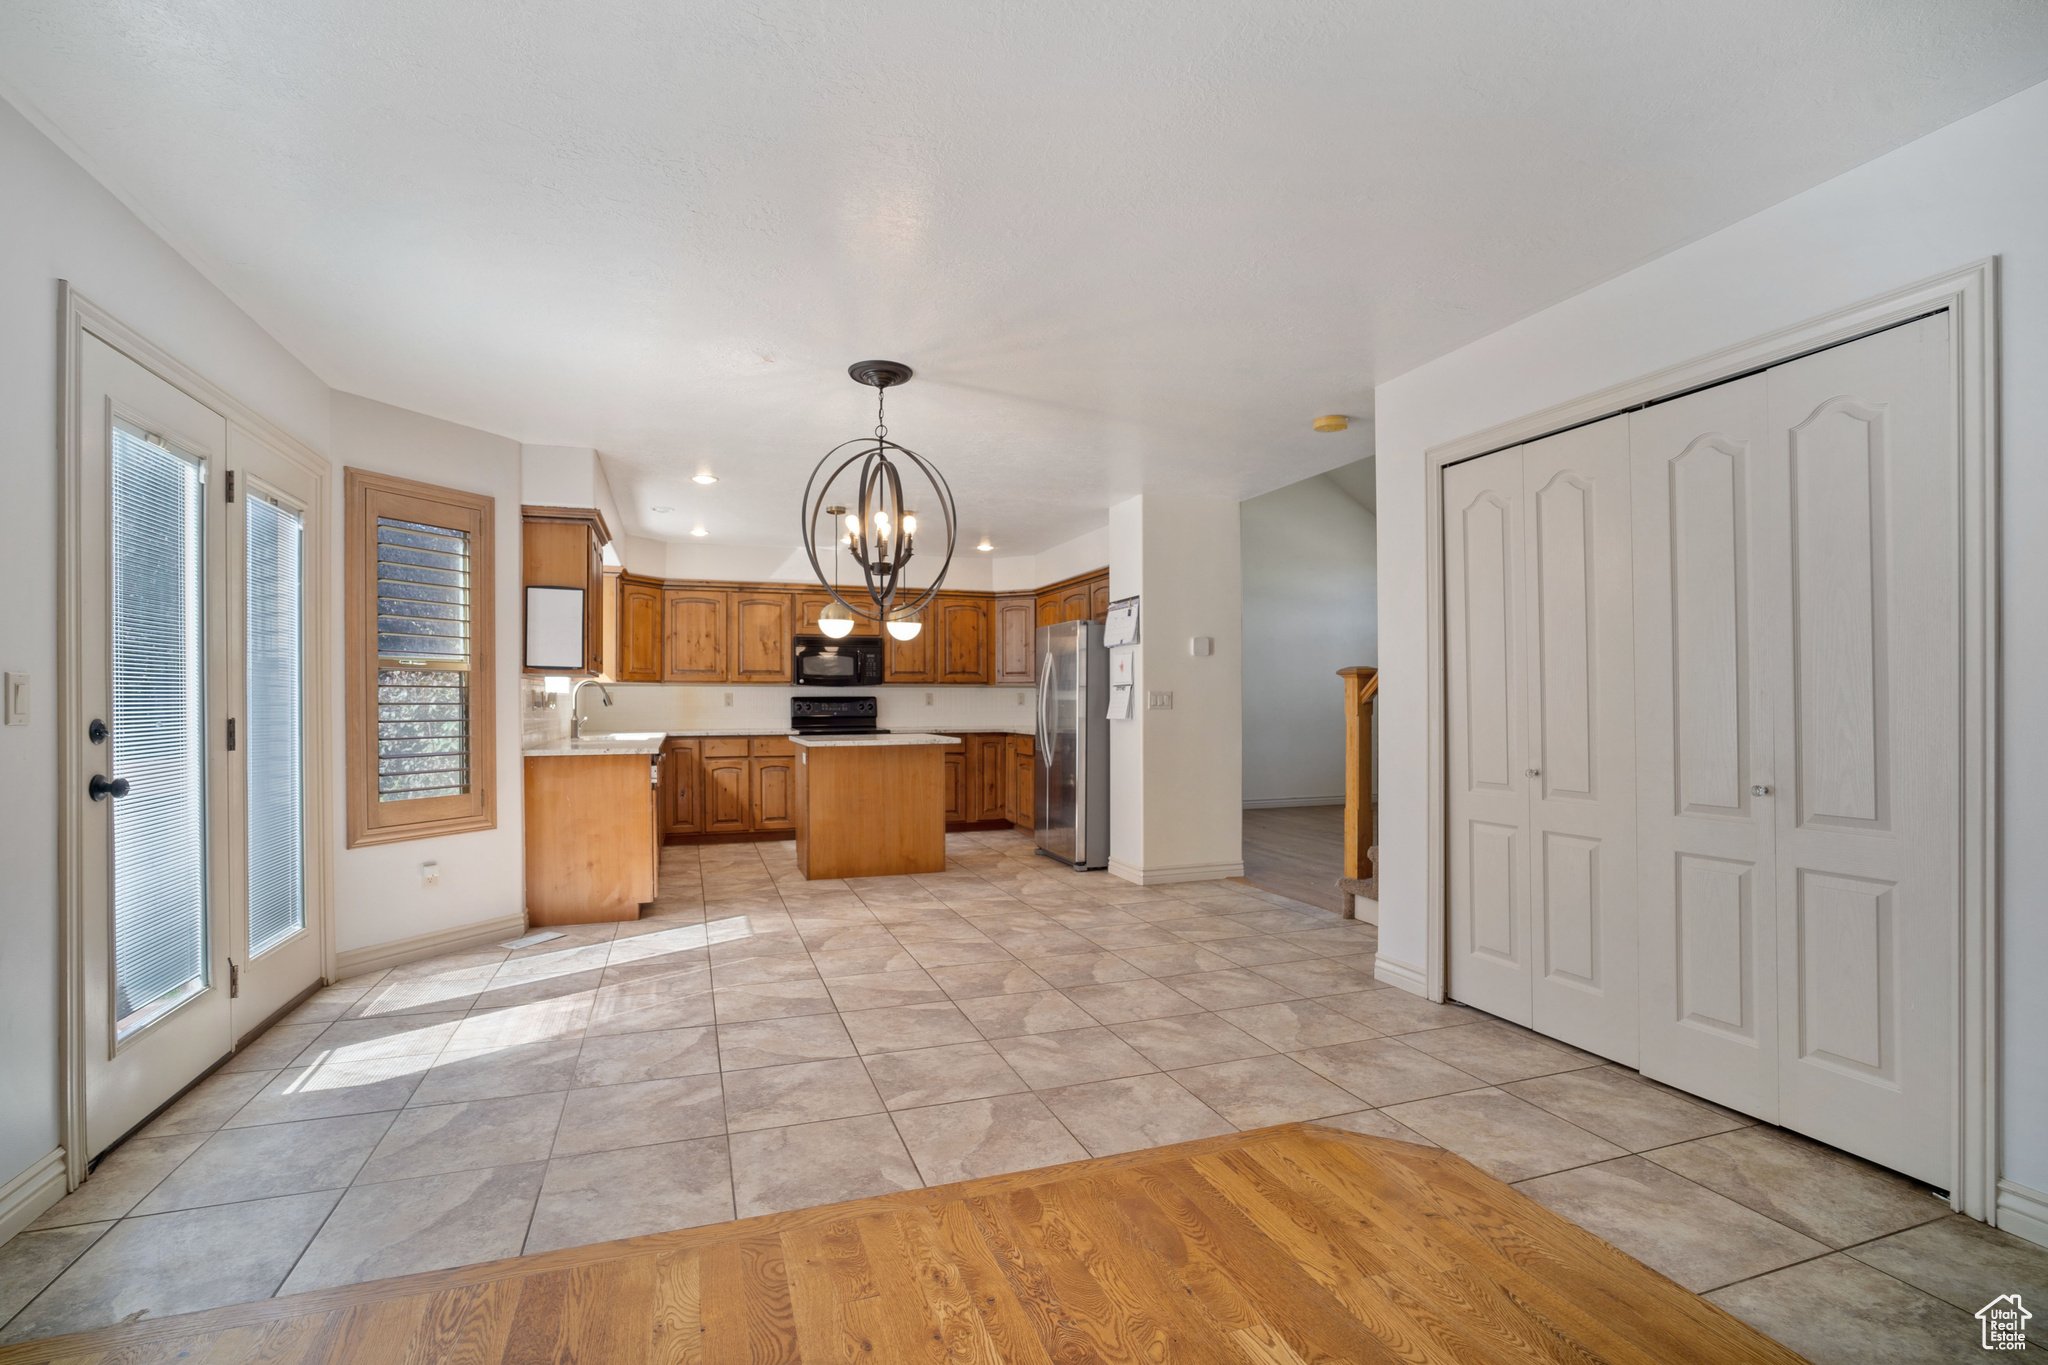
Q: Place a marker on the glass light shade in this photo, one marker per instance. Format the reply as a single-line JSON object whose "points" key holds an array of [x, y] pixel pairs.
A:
{"points": [[836, 621], [906, 629]]}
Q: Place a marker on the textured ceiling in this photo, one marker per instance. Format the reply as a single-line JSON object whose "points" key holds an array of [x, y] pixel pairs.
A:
{"points": [[1127, 246]]}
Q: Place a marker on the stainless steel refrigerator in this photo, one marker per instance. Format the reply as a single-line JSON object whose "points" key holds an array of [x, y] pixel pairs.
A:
{"points": [[1072, 801]]}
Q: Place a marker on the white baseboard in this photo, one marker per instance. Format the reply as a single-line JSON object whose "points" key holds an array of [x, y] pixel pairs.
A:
{"points": [[1400, 974], [398, 952], [2023, 1212], [1276, 802], [1161, 876], [23, 1199]]}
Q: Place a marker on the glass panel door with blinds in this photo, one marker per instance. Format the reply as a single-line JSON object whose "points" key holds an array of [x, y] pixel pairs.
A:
{"points": [[153, 665], [274, 546], [195, 563]]}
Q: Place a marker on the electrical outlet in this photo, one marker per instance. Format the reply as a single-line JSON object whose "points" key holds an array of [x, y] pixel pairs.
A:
{"points": [[728, 699], [17, 698], [1020, 699], [928, 699], [1159, 701], [430, 874]]}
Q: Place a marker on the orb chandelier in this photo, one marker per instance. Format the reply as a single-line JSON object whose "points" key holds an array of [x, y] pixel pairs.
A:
{"points": [[873, 520]]}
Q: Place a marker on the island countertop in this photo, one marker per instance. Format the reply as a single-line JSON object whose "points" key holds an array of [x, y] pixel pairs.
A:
{"points": [[871, 741]]}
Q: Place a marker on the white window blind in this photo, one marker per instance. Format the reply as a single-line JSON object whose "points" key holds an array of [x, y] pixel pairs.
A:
{"points": [[272, 734], [423, 656], [159, 728]]}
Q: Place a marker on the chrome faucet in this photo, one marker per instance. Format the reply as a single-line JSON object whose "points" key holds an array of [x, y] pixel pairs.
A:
{"points": [[576, 695]]}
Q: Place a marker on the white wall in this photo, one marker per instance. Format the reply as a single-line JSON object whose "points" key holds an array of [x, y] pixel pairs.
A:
{"points": [[378, 896], [1176, 776], [558, 476], [56, 223], [1311, 607], [1976, 188], [1085, 553]]}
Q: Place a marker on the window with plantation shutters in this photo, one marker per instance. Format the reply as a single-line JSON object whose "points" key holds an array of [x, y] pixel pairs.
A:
{"points": [[419, 639]]}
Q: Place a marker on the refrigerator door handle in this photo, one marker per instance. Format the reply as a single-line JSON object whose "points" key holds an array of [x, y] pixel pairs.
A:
{"points": [[1044, 691]]}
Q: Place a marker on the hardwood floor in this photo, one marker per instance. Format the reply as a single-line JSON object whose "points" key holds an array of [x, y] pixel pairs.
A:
{"points": [[1297, 852], [1276, 1247]]}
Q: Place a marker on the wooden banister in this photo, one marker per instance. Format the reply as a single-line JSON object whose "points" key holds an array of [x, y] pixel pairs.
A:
{"points": [[1360, 686]]}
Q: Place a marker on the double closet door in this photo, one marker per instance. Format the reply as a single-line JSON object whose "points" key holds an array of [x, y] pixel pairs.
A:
{"points": [[1758, 900]]}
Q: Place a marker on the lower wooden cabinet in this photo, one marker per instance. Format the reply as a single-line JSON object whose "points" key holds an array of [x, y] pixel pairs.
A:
{"points": [[728, 804], [956, 784], [1021, 792], [991, 777], [682, 784], [771, 790]]}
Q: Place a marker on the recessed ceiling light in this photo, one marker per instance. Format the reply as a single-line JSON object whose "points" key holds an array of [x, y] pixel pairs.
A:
{"points": [[984, 544], [703, 478], [661, 509], [699, 531]]}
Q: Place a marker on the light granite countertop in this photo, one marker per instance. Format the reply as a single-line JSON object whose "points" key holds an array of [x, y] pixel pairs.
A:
{"points": [[643, 742], [873, 741]]}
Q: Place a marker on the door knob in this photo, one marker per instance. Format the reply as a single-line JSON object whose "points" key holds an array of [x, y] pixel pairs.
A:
{"points": [[101, 789], [1534, 772], [1759, 791]]}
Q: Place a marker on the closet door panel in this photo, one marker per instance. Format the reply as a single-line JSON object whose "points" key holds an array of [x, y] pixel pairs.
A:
{"points": [[1490, 959], [1581, 664], [1706, 908], [1867, 724]]}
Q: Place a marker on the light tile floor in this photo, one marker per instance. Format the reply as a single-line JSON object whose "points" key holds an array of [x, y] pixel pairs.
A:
{"points": [[760, 1042]]}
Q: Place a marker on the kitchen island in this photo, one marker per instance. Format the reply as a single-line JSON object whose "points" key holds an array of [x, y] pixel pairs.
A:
{"points": [[871, 805], [593, 848]]}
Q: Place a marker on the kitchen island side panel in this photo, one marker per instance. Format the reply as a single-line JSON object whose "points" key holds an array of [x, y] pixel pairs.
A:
{"points": [[871, 810]]}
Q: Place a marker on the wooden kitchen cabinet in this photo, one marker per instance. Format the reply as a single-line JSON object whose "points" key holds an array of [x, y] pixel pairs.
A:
{"points": [[727, 798], [1015, 637], [771, 792], [963, 624], [991, 776], [1098, 598], [809, 604], [694, 635], [914, 660], [1074, 603], [682, 785], [761, 629], [956, 788], [563, 547], [639, 630], [1048, 609], [1021, 792]]}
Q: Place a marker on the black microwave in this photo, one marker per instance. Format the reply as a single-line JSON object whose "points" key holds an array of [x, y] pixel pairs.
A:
{"points": [[821, 661]]}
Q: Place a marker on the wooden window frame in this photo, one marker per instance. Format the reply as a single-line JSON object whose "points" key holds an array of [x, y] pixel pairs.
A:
{"points": [[368, 496]]}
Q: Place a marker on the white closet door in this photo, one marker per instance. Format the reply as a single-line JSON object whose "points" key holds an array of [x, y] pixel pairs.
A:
{"points": [[1867, 717], [1490, 958], [1581, 665], [1705, 892]]}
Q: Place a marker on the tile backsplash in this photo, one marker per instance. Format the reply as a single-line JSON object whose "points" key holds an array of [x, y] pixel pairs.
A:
{"points": [[663, 706], [539, 723]]}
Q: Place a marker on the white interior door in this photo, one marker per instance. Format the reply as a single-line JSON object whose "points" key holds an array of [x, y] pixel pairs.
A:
{"points": [[1707, 906], [1485, 595], [1582, 750], [1863, 635], [152, 668], [273, 550]]}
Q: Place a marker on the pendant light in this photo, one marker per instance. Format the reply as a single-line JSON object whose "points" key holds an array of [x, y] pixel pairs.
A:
{"points": [[875, 522]]}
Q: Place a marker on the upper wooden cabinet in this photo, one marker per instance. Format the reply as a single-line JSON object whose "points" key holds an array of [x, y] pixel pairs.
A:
{"points": [[639, 630], [914, 660], [695, 621], [1048, 609], [809, 604], [1098, 598], [963, 624], [1016, 641], [563, 547], [1076, 599], [761, 630]]}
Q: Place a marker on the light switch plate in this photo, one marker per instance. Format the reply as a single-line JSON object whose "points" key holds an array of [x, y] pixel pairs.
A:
{"points": [[1159, 701], [1202, 646], [17, 698]]}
